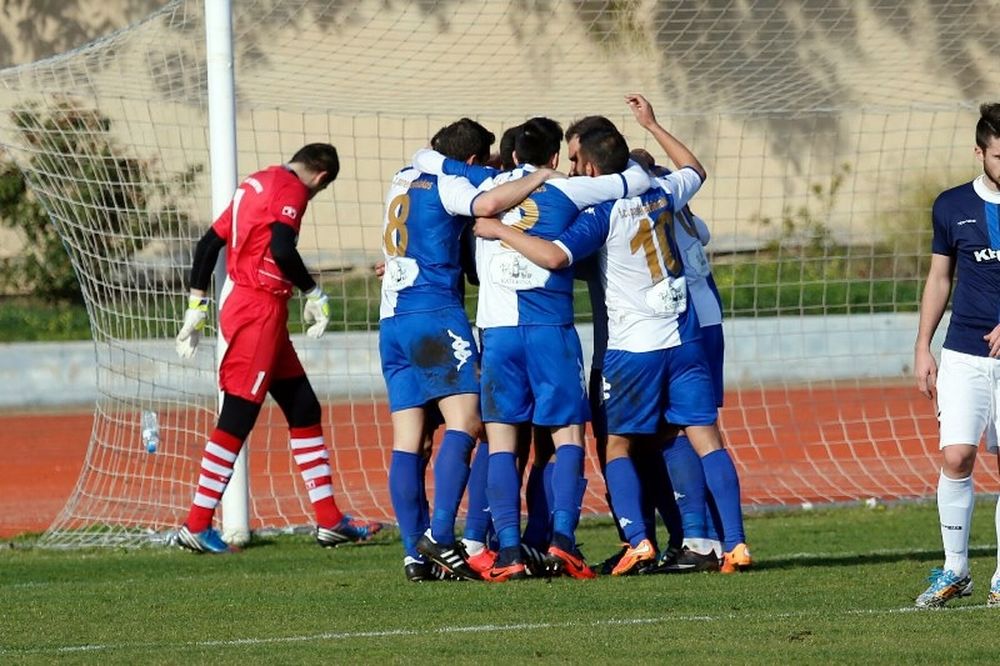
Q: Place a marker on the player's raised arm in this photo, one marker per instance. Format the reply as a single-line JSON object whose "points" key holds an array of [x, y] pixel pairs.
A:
{"points": [[428, 160], [678, 153]]}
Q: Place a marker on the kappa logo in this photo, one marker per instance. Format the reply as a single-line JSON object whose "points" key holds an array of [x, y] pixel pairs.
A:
{"points": [[605, 389], [986, 254], [624, 522], [290, 212], [461, 347]]}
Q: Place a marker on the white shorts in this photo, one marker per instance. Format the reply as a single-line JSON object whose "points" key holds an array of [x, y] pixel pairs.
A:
{"points": [[967, 399]]}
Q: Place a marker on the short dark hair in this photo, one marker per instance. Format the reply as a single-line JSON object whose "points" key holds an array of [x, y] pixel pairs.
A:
{"points": [[988, 126], [507, 147], [538, 141], [606, 149], [462, 139], [319, 157], [587, 123]]}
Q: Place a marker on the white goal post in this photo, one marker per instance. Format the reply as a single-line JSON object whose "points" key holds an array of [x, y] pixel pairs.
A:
{"points": [[220, 68], [826, 127]]}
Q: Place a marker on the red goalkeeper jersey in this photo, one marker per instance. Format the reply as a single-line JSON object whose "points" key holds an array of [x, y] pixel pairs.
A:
{"points": [[272, 195]]}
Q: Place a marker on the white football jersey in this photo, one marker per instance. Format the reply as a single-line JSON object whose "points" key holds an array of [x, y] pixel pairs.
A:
{"points": [[641, 266], [692, 236]]}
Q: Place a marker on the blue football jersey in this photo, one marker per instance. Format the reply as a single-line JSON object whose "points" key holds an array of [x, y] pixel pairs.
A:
{"points": [[966, 223], [421, 232], [515, 291]]}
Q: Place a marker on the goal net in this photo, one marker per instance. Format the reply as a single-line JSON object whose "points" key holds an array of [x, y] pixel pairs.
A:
{"points": [[827, 129]]}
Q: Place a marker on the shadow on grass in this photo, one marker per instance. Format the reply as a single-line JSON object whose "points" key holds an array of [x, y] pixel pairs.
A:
{"points": [[859, 559]]}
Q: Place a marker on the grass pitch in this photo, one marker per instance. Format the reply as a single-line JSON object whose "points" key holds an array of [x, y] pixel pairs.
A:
{"points": [[830, 586]]}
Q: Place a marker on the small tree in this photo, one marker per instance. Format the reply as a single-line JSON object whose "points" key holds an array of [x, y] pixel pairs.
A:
{"points": [[87, 181]]}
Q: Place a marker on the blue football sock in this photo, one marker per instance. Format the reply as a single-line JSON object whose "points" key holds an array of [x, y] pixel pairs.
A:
{"points": [[623, 483], [451, 473], [713, 519], [504, 493], [478, 520], [724, 484], [404, 490], [536, 531], [566, 481], [687, 476], [424, 504], [658, 495]]}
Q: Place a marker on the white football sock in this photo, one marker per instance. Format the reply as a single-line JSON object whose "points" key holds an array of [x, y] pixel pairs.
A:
{"points": [[996, 519], [955, 501], [473, 547]]}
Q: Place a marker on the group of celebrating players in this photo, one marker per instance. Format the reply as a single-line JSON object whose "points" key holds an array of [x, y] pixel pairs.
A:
{"points": [[618, 221], [656, 380]]}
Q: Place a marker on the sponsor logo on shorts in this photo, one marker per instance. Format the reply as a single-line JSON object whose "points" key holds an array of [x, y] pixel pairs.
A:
{"points": [[461, 347]]}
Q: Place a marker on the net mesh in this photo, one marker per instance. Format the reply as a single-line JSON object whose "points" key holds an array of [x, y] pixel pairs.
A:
{"points": [[827, 128]]}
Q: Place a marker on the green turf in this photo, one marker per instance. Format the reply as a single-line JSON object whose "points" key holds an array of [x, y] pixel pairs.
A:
{"points": [[832, 586]]}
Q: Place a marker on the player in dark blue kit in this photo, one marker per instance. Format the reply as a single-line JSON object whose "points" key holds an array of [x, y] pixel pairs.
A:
{"points": [[965, 254], [429, 357]]}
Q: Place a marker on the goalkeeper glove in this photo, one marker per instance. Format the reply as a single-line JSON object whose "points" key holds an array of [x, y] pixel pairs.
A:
{"points": [[194, 321], [316, 312]]}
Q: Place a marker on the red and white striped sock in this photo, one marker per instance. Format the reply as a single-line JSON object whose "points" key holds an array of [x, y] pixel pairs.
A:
{"points": [[216, 467], [314, 463]]}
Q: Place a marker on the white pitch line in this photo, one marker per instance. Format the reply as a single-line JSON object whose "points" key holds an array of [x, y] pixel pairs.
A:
{"points": [[482, 628]]}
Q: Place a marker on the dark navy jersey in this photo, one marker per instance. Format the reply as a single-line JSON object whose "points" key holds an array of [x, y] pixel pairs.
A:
{"points": [[967, 229]]}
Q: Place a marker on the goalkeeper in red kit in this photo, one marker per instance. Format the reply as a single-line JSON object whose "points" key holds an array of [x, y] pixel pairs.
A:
{"points": [[259, 230]]}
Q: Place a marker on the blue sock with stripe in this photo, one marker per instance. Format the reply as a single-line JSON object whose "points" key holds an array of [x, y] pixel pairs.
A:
{"points": [[404, 491], [536, 531], [423, 503], [623, 484], [687, 476], [477, 522], [504, 493], [724, 484], [451, 473], [566, 481]]}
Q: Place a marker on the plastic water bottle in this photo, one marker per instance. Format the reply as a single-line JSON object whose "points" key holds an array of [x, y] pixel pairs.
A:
{"points": [[150, 431]]}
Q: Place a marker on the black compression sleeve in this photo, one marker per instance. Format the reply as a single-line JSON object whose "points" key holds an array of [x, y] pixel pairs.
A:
{"points": [[205, 254], [287, 256], [467, 255]]}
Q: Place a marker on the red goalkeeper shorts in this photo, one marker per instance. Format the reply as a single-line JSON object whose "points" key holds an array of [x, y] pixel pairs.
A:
{"points": [[254, 327]]}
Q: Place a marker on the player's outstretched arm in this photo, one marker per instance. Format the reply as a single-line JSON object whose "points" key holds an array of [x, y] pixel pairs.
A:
{"points": [[678, 153], [537, 250], [937, 289], [511, 193]]}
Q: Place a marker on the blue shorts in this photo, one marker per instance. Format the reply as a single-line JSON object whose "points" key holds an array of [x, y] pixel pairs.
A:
{"points": [[534, 374], [715, 351], [427, 355], [645, 391]]}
